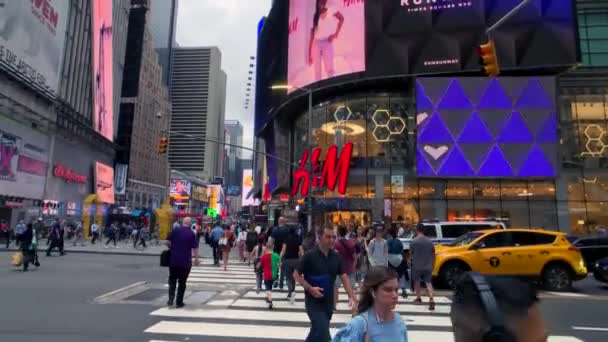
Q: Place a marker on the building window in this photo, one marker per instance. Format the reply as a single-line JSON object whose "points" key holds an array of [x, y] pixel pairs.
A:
{"points": [[593, 32]]}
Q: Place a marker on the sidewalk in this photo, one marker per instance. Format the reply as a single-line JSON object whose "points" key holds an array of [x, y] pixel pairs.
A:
{"points": [[123, 249]]}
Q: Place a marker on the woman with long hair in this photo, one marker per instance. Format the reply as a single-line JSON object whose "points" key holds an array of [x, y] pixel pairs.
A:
{"points": [[376, 320], [326, 27]]}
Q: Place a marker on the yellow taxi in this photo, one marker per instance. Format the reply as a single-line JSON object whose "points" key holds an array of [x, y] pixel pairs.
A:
{"points": [[541, 254]]}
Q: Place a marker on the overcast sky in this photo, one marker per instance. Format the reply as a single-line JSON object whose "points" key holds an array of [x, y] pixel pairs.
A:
{"points": [[230, 25]]}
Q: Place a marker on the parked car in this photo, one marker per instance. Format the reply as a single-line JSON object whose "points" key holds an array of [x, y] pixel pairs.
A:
{"points": [[592, 249], [446, 232], [531, 253], [600, 270]]}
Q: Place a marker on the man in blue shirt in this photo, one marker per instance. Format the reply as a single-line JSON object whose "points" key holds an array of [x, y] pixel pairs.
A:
{"points": [[216, 234], [181, 241]]}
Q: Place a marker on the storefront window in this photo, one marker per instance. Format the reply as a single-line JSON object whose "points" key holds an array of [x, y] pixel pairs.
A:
{"points": [[487, 209], [460, 210], [543, 215], [577, 216], [514, 190], [459, 189], [597, 216], [486, 190], [517, 213]]}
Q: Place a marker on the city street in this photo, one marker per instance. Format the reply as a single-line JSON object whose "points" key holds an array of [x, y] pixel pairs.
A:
{"points": [[95, 298]]}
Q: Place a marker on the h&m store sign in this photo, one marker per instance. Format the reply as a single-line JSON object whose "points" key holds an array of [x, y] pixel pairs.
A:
{"points": [[334, 172]]}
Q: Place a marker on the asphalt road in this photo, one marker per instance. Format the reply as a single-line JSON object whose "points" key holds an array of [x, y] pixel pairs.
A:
{"points": [[55, 302]]}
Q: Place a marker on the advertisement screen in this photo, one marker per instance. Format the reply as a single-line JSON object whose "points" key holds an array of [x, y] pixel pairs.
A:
{"points": [[180, 190], [247, 187], [102, 68], [326, 39], [487, 127], [104, 183], [422, 37], [24, 159], [32, 37]]}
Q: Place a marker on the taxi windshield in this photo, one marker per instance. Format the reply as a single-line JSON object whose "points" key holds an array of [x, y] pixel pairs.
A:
{"points": [[465, 239]]}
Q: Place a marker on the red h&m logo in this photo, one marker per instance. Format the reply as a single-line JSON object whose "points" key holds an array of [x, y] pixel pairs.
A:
{"points": [[335, 170]]}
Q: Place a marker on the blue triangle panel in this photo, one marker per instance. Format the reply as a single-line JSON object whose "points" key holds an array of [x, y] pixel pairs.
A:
{"points": [[537, 165], [475, 131], [495, 165], [495, 97], [456, 165], [422, 166], [435, 132], [454, 97], [548, 134], [423, 102], [534, 96], [516, 131]]}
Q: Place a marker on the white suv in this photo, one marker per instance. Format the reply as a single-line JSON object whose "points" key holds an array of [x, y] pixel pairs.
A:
{"points": [[445, 232]]}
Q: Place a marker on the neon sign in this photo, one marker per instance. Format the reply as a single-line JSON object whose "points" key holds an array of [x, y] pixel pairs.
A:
{"points": [[60, 171], [334, 172]]}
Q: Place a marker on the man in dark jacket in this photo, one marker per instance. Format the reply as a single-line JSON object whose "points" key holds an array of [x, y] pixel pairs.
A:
{"points": [[56, 238], [181, 242]]}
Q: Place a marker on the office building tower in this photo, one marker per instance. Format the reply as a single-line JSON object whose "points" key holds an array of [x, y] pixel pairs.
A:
{"points": [[198, 93]]}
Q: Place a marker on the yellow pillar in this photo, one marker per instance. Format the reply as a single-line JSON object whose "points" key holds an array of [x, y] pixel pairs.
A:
{"points": [[86, 214], [164, 218]]}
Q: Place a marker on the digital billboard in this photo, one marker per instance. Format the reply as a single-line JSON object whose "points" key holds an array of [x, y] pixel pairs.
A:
{"points": [[24, 158], [102, 68], [487, 127], [441, 36], [326, 39], [180, 190], [32, 37], [247, 186], [104, 183]]}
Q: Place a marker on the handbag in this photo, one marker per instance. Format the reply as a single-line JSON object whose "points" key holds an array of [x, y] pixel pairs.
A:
{"points": [[165, 256], [223, 242], [17, 259]]}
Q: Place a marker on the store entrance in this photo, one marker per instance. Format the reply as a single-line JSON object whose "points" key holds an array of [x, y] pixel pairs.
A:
{"points": [[361, 218]]}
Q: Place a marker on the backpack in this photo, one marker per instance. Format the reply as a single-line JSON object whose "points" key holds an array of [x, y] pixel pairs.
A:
{"points": [[252, 238]]}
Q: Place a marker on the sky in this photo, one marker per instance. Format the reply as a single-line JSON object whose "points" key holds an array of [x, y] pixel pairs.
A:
{"points": [[230, 25]]}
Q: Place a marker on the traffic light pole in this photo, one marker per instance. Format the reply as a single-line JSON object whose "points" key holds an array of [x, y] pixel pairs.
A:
{"points": [[491, 29]]}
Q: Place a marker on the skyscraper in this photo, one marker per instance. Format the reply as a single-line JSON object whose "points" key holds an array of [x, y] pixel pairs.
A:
{"points": [[162, 20], [198, 92], [234, 136]]}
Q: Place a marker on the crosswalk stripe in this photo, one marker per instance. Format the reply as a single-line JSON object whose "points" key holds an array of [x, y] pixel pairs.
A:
{"points": [[411, 308], [268, 332], [285, 316], [300, 294], [218, 280]]}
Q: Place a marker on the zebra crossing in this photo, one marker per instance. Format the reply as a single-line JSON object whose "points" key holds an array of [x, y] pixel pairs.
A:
{"points": [[247, 318]]}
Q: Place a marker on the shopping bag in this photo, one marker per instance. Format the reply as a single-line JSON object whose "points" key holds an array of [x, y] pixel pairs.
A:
{"points": [[17, 259], [165, 256]]}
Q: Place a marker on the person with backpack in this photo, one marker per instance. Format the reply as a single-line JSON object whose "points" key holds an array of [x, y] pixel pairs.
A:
{"points": [[250, 242], [214, 239], [396, 261], [291, 252], [347, 251], [270, 263], [377, 249]]}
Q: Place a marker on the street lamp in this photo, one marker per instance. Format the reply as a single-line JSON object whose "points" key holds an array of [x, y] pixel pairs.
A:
{"points": [[310, 146]]}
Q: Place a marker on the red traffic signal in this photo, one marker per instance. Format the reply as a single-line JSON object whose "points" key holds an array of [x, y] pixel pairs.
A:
{"points": [[488, 59], [163, 145]]}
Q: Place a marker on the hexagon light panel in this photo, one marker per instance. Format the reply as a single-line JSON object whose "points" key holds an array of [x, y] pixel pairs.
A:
{"points": [[342, 114], [487, 127], [386, 125]]}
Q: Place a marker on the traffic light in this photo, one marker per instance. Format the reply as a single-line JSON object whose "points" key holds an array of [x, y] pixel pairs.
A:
{"points": [[163, 144], [488, 58]]}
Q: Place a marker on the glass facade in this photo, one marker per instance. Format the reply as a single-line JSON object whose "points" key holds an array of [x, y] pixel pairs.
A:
{"points": [[383, 185], [593, 33]]}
